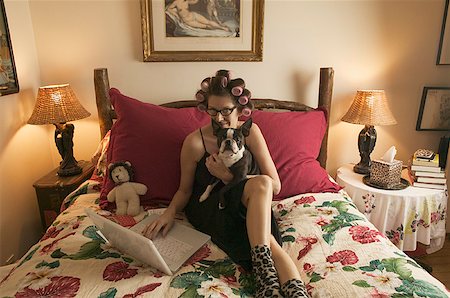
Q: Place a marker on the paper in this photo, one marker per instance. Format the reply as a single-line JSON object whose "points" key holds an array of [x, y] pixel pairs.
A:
{"points": [[389, 155]]}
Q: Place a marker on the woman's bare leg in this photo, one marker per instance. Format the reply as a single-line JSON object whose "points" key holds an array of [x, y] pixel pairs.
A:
{"points": [[257, 198], [283, 262], [280, 268]]}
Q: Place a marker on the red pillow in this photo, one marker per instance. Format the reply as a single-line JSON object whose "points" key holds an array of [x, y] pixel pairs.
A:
{"points": [[294, 141], [150, 137]]}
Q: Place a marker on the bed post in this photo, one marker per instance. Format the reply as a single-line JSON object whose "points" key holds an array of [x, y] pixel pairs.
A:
{"points": [[104, 107], [325, 94]]}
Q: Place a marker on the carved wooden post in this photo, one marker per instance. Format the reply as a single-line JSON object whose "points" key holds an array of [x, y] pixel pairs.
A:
{"points": [[104, 107], [325, 95]]}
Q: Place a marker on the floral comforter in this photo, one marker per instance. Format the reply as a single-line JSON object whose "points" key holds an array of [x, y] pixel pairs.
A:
{"points": [[338, 252]]}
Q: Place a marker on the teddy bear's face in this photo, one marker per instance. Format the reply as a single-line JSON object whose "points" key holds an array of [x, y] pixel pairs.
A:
{"points": [[120, 175]]}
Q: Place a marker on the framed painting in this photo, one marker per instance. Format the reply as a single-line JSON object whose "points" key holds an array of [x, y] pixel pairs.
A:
{"points": [[202, 30], [8, 74], [444, 43], [434, 111]]}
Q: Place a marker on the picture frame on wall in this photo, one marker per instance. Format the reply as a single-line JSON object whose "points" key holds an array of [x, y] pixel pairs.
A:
{"points": [[202, 30], [8, 74], [434, 111], [443, 57]]}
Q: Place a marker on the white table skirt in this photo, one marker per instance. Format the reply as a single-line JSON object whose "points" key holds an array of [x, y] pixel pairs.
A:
{"points": [[404, 216]]}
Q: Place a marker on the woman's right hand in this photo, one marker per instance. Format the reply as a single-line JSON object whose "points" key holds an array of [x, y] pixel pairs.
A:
{"points": [[163, 222]]}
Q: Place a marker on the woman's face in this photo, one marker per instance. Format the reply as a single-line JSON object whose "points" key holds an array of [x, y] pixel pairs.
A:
{"points": [[220, 103]]}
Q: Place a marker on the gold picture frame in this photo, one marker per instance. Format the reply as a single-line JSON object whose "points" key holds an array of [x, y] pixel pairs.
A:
{"points": [[8, 74], [443, 57], [167, 38]]}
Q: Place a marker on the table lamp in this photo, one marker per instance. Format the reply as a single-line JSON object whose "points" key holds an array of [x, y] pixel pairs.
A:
{"points": [[369, 108], [57, 105]]}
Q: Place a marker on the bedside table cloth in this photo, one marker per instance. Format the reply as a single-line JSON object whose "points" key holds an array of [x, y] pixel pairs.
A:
{"points": [[404, 216]]}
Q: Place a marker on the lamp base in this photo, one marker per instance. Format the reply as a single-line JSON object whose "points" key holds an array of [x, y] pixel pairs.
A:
{"points": [[71, 170], [362, 168], [64, 142], [366, 142]]}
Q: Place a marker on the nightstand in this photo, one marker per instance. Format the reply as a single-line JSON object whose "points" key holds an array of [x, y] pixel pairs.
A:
{"points": [[52, 189], [404, 216]]}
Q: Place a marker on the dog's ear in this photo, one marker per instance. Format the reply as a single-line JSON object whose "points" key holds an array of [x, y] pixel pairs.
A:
{"points": [[216, 127], [245, 128]]}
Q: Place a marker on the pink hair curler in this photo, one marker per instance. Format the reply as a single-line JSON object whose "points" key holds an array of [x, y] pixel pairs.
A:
{"points": [[237, 91], [199, 96], [201, 107], [224, 81], [205, 85], [243, 100], [246, 112]]}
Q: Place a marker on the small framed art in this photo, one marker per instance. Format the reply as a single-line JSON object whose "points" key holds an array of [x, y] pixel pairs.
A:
{"points": [[202, 30], [8, 74], [444, 43], [434, 111]]}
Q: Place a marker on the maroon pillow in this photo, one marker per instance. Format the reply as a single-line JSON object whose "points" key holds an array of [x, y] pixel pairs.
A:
{"points": [[294, 141], [150, 137]]}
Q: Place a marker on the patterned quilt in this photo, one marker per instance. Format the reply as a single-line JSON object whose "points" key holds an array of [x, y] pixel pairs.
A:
{"points": [[337, 251]]}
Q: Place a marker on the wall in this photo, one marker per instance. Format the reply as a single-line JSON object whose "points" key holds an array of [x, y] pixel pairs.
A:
{"points": [[23, 148], [390, 45]]}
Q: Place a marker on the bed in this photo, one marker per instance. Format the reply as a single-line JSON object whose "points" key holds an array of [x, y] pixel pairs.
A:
{"points": [[337, 251]]}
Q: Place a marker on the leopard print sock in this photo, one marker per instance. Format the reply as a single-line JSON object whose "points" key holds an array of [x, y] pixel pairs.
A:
{"points": [[294, 288], [267, 283]]}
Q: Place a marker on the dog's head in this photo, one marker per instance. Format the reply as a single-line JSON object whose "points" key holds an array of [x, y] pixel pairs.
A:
{"points": [[231, 141]]}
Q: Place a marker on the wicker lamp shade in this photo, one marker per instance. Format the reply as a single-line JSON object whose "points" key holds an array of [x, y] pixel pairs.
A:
{"points": [[57, 104], [370, 107]]}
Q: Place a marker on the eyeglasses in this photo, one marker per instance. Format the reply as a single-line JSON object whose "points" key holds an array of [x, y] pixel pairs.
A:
{"points": [[224, 112]]}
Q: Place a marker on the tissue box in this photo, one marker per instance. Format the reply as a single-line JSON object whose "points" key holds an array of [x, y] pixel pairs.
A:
{"points": [[385, 174]]}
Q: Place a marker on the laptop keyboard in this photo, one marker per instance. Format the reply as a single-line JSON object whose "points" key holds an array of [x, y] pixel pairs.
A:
{"points": [[171, 249]]}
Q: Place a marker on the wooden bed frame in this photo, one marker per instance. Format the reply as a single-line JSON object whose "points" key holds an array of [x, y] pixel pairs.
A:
{"points": [[106, 113]]}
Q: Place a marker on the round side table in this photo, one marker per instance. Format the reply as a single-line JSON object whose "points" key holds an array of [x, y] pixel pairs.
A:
{"points": [[404, 216]]}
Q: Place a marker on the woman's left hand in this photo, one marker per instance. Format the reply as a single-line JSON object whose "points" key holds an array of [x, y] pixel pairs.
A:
{"points": [[218, 169]]}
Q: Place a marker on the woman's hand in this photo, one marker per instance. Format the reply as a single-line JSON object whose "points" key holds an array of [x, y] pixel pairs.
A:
{"points": [[218, 169], [164, 222]]}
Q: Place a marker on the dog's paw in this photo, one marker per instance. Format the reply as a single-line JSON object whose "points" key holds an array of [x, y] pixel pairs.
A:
{"points": [[202, 198]]}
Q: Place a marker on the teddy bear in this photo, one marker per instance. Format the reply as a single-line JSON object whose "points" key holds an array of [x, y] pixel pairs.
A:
{"points": [[125, 193]]}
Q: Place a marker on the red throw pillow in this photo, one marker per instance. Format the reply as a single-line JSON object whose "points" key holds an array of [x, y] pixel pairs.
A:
{"points": [[150, 137], [294, 141]]}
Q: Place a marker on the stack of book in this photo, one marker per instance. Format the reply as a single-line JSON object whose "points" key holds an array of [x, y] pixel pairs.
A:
{"points": [[425, 171]]}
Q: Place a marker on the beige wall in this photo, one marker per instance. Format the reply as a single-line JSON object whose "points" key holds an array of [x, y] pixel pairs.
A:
{"points": [[24, 149], [389, 45]]}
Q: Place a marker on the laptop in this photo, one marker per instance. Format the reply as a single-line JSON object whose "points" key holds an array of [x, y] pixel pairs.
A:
{"points": [[164, 253]]}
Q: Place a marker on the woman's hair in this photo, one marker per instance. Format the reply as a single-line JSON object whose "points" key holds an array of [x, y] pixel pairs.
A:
{"points": [[222, 85]]}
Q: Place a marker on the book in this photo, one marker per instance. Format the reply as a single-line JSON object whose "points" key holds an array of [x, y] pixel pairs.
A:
{"points": [[440, 174], [431, 180], [425, 169], [429, 185], [431, 163]]}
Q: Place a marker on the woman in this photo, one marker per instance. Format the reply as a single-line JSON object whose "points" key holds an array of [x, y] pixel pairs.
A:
{"points": [[246, 229], [191, 18]]}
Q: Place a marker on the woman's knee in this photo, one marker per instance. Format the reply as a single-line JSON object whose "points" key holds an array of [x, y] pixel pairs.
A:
{"points": [[259, 187], [260, 184]]}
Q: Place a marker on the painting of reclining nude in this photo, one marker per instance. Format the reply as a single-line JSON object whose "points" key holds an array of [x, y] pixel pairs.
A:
{"points": [[202, 18]]}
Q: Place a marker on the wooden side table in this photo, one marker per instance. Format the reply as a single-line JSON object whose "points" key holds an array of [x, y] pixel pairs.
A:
{"points": [[51, 190], [405, 216]]}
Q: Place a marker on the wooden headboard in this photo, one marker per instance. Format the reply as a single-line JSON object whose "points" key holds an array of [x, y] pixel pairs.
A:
{"points": [[106, 113]]}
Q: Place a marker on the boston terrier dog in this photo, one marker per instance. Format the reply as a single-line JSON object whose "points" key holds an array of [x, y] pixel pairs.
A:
{"points": [[234, 155]]}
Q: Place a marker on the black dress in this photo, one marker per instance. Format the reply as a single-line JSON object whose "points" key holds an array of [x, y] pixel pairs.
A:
{"points": [[227, 227]]}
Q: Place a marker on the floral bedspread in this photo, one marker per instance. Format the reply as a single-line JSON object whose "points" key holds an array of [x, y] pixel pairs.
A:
{"points": [[338, 252]]}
